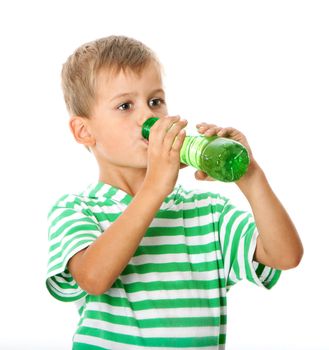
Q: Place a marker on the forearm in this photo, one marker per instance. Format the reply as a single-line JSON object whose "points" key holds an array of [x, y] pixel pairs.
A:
{"points": [[100, 264], [278, 243]]}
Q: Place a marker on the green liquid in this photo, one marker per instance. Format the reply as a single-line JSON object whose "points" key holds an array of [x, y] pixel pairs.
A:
{"points": [[221, 158]]}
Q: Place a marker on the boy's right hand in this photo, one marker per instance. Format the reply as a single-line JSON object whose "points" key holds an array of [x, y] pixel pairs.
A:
{"points": [[165, 142]]}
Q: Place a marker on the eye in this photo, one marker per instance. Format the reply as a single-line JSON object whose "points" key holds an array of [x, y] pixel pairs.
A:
{"points": [[156, 102], [125, 106]]}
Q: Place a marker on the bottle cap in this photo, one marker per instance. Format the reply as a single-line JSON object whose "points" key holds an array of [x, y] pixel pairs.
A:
{"points": [[147, 126]]}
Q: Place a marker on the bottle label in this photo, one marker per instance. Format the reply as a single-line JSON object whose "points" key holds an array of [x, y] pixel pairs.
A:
{"points": [[192, 150]]}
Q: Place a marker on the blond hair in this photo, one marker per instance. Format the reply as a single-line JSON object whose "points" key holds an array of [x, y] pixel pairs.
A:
{"points": [[80, 71]]}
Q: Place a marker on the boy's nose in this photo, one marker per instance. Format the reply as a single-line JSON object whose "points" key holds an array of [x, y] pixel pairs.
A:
{"points": [[144, 116]]}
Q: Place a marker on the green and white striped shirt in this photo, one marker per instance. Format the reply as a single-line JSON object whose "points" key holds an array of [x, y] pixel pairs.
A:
{"points": [[172, 293]]}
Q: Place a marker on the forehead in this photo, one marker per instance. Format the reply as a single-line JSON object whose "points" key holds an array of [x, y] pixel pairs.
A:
{"points": [[128, 78]]}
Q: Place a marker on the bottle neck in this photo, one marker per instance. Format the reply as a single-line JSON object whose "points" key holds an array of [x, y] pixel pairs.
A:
{"points": [[147, 126], [192, 147]]}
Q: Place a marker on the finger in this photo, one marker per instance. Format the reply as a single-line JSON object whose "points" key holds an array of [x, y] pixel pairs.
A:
{"points": [[178, 142], [172, 133], [204, 126], [160, 129], [200, 124], [228, 132], [212, 131], [208, 129], [200, 175]]}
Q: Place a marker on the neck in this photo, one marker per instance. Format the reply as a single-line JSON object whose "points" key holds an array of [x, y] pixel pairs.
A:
{"points": [[127, 179]]}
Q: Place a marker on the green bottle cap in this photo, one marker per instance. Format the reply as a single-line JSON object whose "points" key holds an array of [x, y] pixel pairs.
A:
{"points": [[147, 126]]}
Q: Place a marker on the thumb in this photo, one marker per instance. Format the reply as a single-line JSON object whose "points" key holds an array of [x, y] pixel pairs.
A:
{"points": [[200, 175]]}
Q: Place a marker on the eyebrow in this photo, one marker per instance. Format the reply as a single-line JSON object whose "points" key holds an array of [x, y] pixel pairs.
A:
{"points": [[127, 94]]}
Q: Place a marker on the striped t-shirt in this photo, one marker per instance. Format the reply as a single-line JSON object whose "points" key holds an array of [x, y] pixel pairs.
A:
{"points": [[172, 293]]}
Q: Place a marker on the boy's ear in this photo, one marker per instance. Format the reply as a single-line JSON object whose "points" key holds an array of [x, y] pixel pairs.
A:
{"points": [[80, 130]]}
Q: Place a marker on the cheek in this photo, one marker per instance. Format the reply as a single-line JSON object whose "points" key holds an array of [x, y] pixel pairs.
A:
{"points": [[163, 112], [117, 140], [107, 139]]}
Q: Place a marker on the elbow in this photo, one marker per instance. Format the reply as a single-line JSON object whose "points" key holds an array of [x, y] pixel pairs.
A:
{"points": [[90, 277], [288, 265], [93, 285], [292, 261], [93, 290]]}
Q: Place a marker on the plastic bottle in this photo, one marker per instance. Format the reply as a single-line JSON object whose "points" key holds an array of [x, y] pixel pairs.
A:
{"points": [[221, 158]]}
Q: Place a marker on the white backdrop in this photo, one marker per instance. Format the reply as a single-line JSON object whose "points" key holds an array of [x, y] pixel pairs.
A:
{"points": [[260, 66]]}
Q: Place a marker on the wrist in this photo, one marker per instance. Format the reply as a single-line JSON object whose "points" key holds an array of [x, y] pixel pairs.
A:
{"points": [[253, 180], [152, 191]]}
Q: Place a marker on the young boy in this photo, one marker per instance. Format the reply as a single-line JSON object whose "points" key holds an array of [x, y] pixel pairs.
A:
{"points": [[148, 262]]}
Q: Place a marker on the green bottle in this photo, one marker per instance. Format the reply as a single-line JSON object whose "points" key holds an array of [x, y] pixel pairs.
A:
{"points": [[221, 158]]}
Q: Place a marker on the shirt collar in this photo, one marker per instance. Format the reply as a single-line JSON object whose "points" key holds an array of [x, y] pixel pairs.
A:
{"points": [[102, 190]]}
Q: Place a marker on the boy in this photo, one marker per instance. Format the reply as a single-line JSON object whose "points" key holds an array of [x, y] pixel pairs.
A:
{"points": [[149, 263]]}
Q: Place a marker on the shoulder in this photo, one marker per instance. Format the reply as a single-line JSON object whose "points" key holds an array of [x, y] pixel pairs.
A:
{"points": [[71, 205], [91, 197], [72, 215], [74, 202]]}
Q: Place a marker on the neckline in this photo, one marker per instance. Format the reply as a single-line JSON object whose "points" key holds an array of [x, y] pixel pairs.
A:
{"points": [[101, 189]]}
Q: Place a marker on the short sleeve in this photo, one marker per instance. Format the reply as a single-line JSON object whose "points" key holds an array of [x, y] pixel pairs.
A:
{"points": [[72, 227], [238, 237]]}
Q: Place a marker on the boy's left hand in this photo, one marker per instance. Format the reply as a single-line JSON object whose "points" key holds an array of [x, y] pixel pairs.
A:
{"points": [[211, 130]]}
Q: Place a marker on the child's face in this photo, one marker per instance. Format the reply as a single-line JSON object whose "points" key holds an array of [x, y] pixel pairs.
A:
{"points": [[124, 101]]}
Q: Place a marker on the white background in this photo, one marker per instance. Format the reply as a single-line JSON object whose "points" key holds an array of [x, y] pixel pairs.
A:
{"points": [[260, 66]]}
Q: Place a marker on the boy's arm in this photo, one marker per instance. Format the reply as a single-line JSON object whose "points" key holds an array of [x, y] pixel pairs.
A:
{"points": [[97, 267], [278, 243]]}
